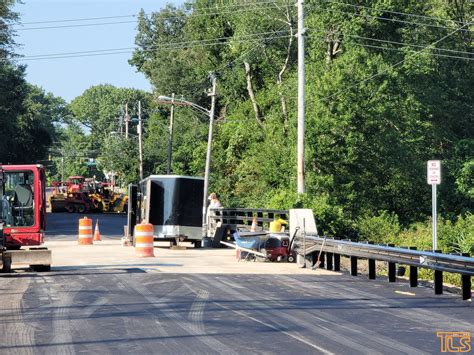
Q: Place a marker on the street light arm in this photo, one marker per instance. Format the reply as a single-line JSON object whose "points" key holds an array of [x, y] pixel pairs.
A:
{"points": [[169, 100]]}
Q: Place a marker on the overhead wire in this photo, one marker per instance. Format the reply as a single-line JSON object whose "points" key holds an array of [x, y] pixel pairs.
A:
{"points": [[395, 12], [248, 7], [166, 46], [389, 67], [400, 49], [393, 19]]}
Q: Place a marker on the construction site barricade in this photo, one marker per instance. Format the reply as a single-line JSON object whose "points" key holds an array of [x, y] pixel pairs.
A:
{"points": [[85, 231], [144, 240]]}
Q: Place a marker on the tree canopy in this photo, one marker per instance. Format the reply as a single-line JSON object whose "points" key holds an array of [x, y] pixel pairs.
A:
{"points": [[389, 86]]}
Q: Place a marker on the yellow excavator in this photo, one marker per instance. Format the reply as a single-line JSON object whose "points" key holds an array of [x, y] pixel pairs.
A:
{"points": [[106, 200]]}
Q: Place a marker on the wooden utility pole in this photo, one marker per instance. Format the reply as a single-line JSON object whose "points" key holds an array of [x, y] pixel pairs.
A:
{"points": [[127, 119], [170, 142], [301, 92], [140, 145]]}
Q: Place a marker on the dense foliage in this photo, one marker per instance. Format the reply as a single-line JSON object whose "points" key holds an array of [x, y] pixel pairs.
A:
{"points": [[378, 106], [27, 114]]}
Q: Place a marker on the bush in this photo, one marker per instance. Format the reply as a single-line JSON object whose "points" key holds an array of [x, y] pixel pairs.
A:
{"points": [[383, 228], [458, 237], [330, 218]]}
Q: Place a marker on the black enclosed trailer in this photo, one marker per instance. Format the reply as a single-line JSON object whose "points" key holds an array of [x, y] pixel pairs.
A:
{"points": [[173, 204]]}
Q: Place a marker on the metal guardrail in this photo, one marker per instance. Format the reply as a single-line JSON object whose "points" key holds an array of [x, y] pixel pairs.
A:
{"points": [[332, 249], [242, 216]]}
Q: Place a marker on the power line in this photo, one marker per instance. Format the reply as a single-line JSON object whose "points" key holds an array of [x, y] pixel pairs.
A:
{"points": [[402, 50], [394, 20], [206, 42], [166, 47], [74, 20], [75, 25], [392, 66], [398, 48], [248, 7], [409, 44], [396, 12]]}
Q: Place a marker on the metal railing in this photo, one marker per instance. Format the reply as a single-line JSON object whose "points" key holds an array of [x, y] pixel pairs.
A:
{"points": [[243, 217], [332, 250]]}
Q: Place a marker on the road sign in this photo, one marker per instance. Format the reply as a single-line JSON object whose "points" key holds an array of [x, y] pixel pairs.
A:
{"points": [[434, 178], [434, 172]]}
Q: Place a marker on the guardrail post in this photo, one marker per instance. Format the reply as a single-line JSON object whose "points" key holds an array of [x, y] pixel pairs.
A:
{"points": [[354, 265], [371, 263], [314, 259], [413, 273], [392, 269], [438, 280], [328, 261], [322, 260], [466, 283], [337, 262]]}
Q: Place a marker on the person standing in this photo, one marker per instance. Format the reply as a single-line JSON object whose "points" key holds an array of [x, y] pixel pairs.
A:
{"points": [[213, 203]]}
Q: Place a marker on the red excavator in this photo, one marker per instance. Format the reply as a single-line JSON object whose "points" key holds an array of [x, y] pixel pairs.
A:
{"points": [[22, 217]]}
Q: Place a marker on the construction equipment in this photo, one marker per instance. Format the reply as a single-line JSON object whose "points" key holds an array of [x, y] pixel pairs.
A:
{"points": [[22, 217], [81, 195], [105, 199], [71, 202]]}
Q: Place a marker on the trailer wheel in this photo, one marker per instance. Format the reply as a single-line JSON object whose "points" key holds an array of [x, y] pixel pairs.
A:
{"points": [[40, 268], [70, 208], [197, 244], [291, 258], [81, 208], [7, 265]]}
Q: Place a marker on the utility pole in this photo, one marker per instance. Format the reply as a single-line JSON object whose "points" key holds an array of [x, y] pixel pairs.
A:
{"points": [[62, 165], [170, 142], [301, 103], [127, 119], [140, 145], [208, 156]]}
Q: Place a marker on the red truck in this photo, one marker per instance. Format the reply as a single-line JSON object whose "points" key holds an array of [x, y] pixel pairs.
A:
{"points": [[23, 216]]}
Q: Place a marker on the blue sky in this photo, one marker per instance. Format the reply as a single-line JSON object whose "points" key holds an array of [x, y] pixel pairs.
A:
{"points": [[69, 77]]}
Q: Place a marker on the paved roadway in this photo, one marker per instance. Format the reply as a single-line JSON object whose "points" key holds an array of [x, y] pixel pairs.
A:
{"points": [[134, 310]]}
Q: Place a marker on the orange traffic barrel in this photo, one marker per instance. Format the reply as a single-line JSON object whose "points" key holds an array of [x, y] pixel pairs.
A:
{"points": [[144, 239], [85, 231]]}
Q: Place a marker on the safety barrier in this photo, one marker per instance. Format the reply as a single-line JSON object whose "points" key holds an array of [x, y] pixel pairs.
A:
{"points": [[143, 240], [85, 231], [244, 217], [333, 249]]}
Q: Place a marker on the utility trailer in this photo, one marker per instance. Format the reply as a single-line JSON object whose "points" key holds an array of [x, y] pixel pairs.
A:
{"points": [[23, 217], [173, 204]]}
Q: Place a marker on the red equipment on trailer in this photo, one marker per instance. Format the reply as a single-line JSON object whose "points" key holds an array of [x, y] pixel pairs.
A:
{"points": [[23, 216]]}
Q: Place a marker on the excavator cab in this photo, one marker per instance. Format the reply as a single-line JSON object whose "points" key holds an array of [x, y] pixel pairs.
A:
{"points": [[22, 204], [22, 217]]}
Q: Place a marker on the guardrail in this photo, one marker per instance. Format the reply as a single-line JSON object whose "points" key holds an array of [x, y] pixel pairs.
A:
{"points": [[243, 217], [332, 249]]}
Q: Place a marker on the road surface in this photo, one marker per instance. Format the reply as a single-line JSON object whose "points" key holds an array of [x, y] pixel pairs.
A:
{"points": [[144, 310]]}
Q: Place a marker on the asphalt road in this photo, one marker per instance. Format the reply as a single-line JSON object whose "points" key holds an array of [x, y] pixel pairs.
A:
{"points": [[64, 226], [143, 311]]}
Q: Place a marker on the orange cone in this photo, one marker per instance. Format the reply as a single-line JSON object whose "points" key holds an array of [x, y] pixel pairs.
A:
{"points": [[253, 227], [97, 232]]}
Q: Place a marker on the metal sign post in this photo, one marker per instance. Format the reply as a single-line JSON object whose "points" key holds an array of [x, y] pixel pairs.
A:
{"points": [[433, 179]]}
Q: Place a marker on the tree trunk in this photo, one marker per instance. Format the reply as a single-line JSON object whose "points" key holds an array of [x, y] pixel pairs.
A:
{"points": [[284, 108], [248, 74]]}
